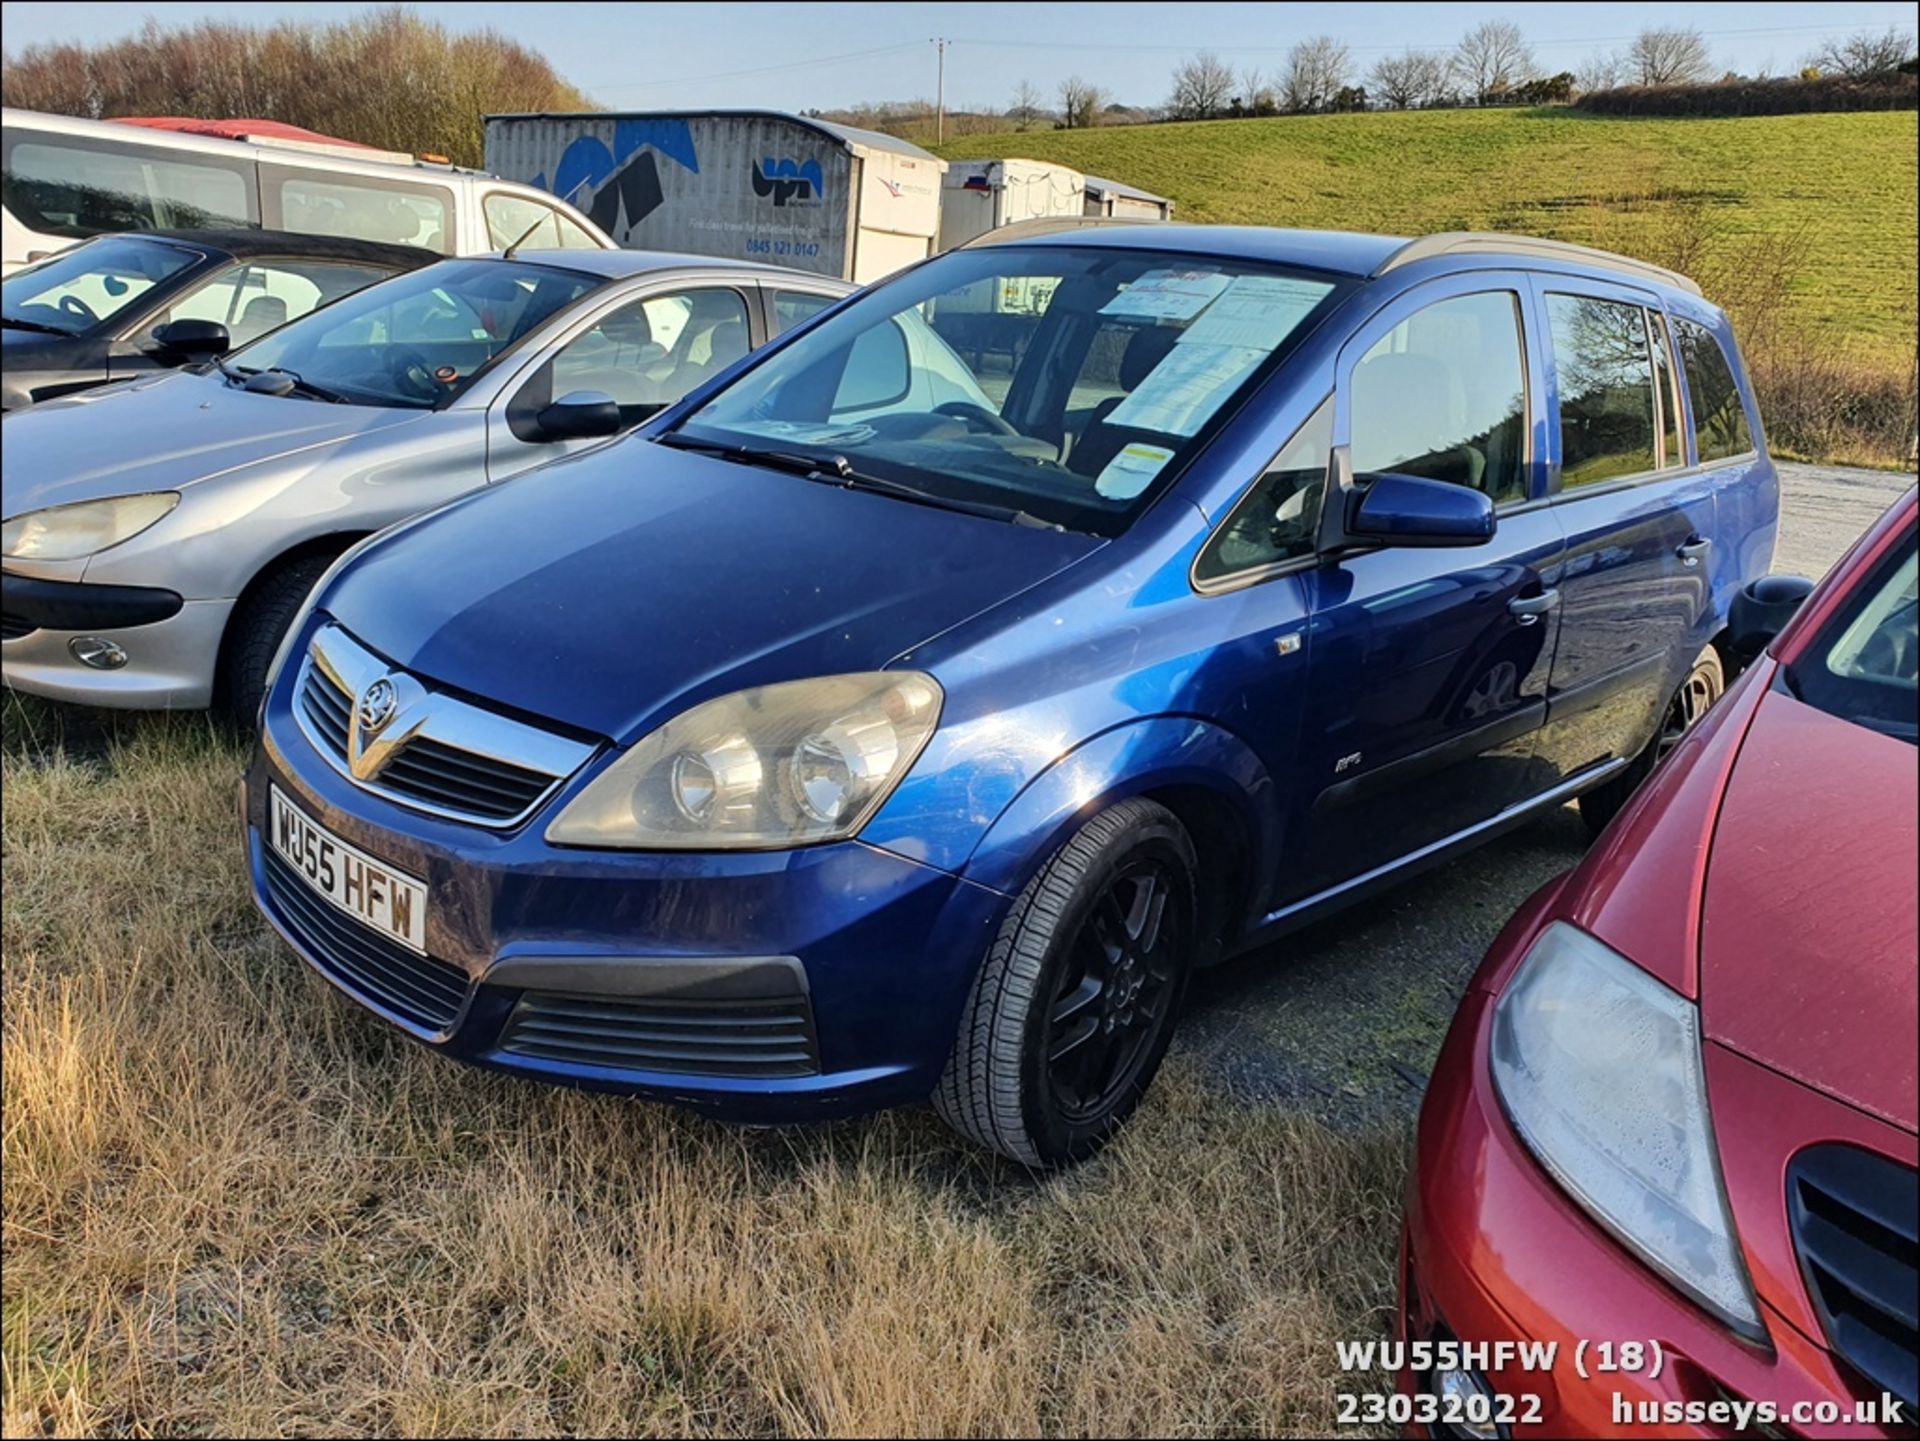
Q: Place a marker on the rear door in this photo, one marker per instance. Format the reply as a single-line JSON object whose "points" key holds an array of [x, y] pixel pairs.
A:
{"points": [[1639, 519], [1428, 668]]}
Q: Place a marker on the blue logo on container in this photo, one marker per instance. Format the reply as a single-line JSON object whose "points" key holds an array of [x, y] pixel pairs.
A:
{"points": [[620, 187], [789, 182]]}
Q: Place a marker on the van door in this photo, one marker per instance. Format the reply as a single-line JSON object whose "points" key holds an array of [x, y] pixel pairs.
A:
{"points": [[1428, 668], [1636, 604]]}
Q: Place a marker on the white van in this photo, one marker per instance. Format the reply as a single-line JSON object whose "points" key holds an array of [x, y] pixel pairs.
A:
{"points": [[66, 179]]}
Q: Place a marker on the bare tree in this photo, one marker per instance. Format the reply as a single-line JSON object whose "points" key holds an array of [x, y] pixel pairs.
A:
{"points": [[1599, 71], [1491, 59], [1202, 86], [1080, 103], [1315, 72], [1668, 56], [1864, 53], [1410, 79], [1026, 104], [1258, 94]]}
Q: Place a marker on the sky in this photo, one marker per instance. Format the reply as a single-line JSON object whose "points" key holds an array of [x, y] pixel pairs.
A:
{"points": [[793, 56]]}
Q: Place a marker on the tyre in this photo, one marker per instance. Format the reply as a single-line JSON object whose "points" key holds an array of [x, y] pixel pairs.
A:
{"points": [[1705, 683], [254, 633], [1073, 1008]]}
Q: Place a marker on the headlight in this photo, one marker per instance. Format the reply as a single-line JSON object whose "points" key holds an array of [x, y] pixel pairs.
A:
{"points": [[762, 769], [70, 532], [1599, 1068]]}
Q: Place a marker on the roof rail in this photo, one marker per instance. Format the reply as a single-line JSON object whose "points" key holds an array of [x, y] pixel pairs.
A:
{"points": [[1476, 242], [1048, 225]]}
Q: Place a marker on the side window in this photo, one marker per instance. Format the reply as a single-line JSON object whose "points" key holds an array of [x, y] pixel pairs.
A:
{"points": [[403, 214], [1673, 454], [646, 354], [878, 372], [1277, 519], [1600, 359], [513, 218], [1443, 395], [790, 307], [63, 189], [252, 299], [1719, 419]]}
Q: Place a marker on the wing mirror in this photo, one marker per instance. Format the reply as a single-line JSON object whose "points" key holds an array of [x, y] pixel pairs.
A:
{"points": [[184, 341], [579, 415], [1761, 611], [1411, 510]]}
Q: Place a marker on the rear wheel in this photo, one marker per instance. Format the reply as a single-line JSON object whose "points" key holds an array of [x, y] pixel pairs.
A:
{"points": [[1705, 683], [254, 633], [1073, 1009]]}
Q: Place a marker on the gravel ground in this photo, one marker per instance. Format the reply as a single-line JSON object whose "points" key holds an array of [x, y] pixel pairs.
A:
{"points": [[1347, 1016]]}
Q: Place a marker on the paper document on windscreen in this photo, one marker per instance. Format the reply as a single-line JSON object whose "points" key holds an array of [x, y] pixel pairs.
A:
{"points": [[1187, 387], [1167, 295], [1256, 312]]}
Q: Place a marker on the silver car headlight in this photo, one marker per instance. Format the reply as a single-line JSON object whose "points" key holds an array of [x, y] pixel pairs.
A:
{"points": [[762, 769], [1599, 1068], [72, 532]]}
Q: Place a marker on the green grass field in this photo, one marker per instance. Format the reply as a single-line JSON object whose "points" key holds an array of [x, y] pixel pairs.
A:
{"points": [[1843, 185]]}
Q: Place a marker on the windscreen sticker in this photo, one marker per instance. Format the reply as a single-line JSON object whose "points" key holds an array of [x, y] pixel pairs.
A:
{"points": [[1167, 295], [1256, 312], [1187, 387], [1132, 470]]}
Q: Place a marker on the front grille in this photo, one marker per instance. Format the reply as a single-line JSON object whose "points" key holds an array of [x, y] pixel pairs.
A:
{"points": [[419, 989], [452, 758], [327, 706], [12, 627], [444, 775], [762, 1040], [1853, 1215]]}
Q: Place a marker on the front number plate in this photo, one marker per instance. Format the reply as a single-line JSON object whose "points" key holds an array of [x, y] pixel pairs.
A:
{"points": [[370, 891]]}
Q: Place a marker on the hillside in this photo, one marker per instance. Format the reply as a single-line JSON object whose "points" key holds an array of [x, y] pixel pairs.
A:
{"points": [[1838, 191]]}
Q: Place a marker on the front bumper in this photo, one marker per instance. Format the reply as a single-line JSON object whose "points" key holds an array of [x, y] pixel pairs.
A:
{"points": [[869, 953], [1493, 1251], [172, 645]]}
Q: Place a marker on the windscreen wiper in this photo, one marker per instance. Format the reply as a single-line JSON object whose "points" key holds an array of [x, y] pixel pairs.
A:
{"points": [[38, 327], [838, 470]]}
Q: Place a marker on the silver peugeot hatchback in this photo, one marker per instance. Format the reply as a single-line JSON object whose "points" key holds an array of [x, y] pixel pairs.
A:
{"points": [[159, 535]]}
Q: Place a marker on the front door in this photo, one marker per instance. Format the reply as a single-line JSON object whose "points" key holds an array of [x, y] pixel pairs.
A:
{"points": [[1428, 668], [1636, 602]]}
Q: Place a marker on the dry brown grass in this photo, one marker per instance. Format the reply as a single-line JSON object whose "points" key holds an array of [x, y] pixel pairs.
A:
{"points": [[236, 1204]]}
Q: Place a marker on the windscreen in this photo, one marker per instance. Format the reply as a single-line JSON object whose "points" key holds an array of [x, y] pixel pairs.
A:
{"points": [[419, 339], [1066, 383], [84, 287]]}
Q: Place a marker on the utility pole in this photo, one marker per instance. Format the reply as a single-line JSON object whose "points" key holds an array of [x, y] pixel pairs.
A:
{"points": [[940, 93]]}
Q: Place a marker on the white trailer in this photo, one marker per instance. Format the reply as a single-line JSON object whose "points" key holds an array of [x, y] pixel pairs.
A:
{"points": [[981, 195], [742, 184]]}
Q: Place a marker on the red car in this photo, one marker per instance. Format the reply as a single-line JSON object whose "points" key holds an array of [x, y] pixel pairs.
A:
{"points": [[1672, 1130]]}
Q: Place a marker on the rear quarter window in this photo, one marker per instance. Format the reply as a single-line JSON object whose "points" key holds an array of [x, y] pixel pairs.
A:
{"points": [[1719, 418]]}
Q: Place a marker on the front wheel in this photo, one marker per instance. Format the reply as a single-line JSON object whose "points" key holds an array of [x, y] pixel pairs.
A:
{"points": [[1072, 1011], [1705, 683]]}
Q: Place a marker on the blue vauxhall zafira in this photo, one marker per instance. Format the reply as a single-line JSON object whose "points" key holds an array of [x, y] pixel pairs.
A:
{"points": [[906, 713]]}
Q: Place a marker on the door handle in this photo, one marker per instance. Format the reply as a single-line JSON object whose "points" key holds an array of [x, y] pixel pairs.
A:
{"points": [[1693, 552], [1527, 609]]}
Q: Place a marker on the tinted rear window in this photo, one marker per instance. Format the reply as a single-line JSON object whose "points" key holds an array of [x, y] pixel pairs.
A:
{"points": [[1719, 419]]}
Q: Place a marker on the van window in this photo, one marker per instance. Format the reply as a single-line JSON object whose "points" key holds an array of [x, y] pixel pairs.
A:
{"points": [[514, 218], [1605, 376], [1443, 395], [402, 214], [254, 298], [1278, 519], [60, 188], [1719, 419]]}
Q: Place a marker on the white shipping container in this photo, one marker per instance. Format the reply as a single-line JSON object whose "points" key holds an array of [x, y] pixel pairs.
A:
{"points": [[741, 184], [981, 195]]}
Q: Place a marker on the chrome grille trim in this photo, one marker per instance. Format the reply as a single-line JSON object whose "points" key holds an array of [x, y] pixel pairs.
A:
{"points": [[493, 756]]}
